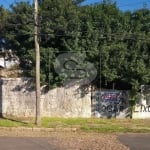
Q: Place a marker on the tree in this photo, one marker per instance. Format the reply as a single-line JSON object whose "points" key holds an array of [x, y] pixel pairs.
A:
{"points": [[115, 41], [4, 14], [19, 31], [60, 26]]}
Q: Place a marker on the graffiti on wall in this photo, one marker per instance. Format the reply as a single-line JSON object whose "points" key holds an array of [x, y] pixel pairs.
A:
{"points": [[144, 95], [142, 108], [111, 103]]}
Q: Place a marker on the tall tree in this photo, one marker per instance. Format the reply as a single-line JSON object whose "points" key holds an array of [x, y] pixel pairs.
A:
{"points": [[19, 31], [116, 42], [4, 14]]}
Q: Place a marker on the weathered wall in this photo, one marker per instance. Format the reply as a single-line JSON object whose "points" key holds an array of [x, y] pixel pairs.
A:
{"points": [[110, 104], [17, 98], [141, 112], [142, 108]]}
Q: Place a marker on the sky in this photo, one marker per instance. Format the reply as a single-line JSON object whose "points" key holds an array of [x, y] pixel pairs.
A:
{"points": [[124, 5]]}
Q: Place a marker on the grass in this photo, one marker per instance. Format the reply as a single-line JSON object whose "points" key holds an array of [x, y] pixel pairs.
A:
{"points": [[13, 122], [84, 124], [100, 125]]}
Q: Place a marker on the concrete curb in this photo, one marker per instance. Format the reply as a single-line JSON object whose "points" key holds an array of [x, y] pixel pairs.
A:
{"points": [[36, 129]]}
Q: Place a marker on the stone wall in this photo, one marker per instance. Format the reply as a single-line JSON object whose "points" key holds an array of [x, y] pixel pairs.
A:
{"points": [[17, 98]]}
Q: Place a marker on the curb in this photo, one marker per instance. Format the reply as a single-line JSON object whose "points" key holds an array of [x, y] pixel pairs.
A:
{"points": [[36, 129]]}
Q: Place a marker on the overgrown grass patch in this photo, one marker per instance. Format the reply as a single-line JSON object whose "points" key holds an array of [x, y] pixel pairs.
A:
{"points": [[99, 124], [83, 124], [16, 122]]}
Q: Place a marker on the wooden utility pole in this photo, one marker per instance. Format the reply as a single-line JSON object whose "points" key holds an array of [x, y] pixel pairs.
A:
{"points": [[37, 51]]}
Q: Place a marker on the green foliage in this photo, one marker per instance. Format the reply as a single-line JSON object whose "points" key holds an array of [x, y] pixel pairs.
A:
{"points": [[115, 41], [3, 21]]}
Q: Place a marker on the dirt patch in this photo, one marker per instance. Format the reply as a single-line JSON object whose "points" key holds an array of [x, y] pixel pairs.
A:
{"points": [[87, 141], [74, 140]]}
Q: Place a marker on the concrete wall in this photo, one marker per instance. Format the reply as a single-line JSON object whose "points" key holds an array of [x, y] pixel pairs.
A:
{"points": [[111, 104], [141, 112], [142, 108], [17, 98]]}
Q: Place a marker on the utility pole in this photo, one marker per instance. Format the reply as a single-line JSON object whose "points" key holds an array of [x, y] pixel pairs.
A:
{"points": [[37, 53]]}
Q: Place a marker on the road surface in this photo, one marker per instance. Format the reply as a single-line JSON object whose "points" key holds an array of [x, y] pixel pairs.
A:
{"points": [[17, 143], [136, 141]]}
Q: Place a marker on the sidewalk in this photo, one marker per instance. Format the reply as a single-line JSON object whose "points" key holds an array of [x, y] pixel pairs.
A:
{"points": [[38, 129]]}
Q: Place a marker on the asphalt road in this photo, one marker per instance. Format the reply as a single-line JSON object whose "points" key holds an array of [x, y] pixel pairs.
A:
{"points": [[16, 143], [133, 141], [136, 141]]}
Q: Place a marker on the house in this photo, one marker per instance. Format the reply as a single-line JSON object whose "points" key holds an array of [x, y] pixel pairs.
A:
{"points": [[8, 59]]}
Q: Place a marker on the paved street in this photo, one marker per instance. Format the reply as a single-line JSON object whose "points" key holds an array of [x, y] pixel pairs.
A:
{"points": [[136, 141], [16, 143], [63, 141], [22, 140]]}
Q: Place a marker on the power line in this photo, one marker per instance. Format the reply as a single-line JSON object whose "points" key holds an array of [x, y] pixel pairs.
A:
{"points": [[104, 35], [98, 18], [60, 35]]}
